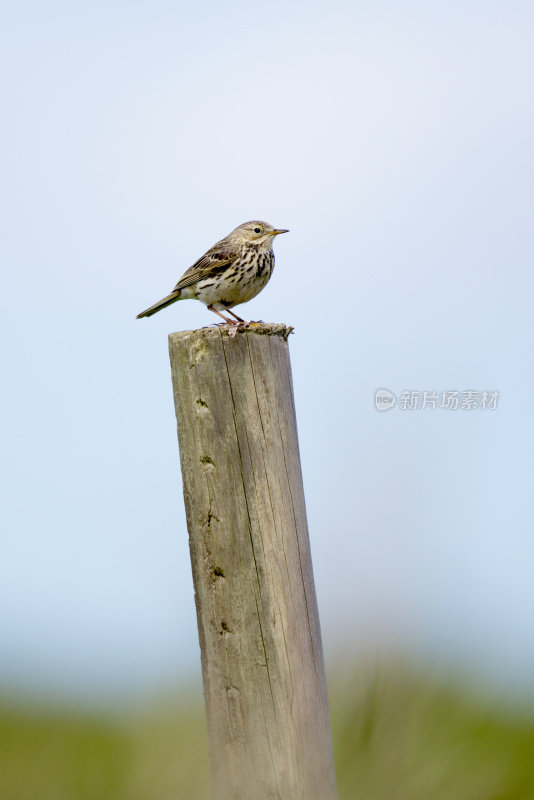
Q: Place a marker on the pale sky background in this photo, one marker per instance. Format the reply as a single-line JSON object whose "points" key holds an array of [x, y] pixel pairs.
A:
{"points": [[395, 140]]}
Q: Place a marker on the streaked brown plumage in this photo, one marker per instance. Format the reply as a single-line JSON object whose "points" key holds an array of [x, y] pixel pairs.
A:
{"points": [[231, 272]]}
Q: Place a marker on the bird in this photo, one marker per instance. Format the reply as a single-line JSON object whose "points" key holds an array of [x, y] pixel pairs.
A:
{"points": [[231, 272]]}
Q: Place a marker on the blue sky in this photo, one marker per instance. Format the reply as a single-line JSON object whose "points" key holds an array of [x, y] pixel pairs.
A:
{"points": [[395, 141]]}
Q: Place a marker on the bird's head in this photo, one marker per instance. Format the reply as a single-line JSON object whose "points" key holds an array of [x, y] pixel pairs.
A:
{"points": [[256, 232]]}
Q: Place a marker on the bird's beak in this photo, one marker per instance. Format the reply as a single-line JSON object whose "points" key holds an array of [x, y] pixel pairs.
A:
{"points": [[279, 230]]}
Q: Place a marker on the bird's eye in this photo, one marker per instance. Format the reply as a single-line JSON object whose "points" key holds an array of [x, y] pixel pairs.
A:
{"points": [[257, 230]]}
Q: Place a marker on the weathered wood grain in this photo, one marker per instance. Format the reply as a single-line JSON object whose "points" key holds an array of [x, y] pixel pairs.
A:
{"points": [[258, 622]]}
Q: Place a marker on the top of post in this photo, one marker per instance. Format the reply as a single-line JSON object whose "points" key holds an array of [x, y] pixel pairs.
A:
{"points": [[231, 331]]}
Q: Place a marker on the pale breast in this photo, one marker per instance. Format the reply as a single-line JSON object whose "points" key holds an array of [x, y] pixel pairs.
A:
{"points": [[240, 282]]}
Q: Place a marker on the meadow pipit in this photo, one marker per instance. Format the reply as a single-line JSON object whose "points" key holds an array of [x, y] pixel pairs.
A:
{"points": [[233, 271]]}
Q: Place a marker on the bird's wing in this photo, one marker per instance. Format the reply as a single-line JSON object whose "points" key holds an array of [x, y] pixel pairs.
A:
{"points": [[214, 261]]}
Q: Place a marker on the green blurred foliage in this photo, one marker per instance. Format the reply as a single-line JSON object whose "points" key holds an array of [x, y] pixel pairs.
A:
{"points": [[156, 755], [397, 734]]}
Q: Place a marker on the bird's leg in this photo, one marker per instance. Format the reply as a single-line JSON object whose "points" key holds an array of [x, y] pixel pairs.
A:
{"points": [[229, 321], [235, 315]]}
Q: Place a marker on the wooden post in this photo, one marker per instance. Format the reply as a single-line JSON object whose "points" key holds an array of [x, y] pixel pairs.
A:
{"points": [[262, 660]]}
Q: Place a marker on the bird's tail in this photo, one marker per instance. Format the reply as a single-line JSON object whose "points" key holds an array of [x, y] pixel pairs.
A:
{"points": [[167, 301]]}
